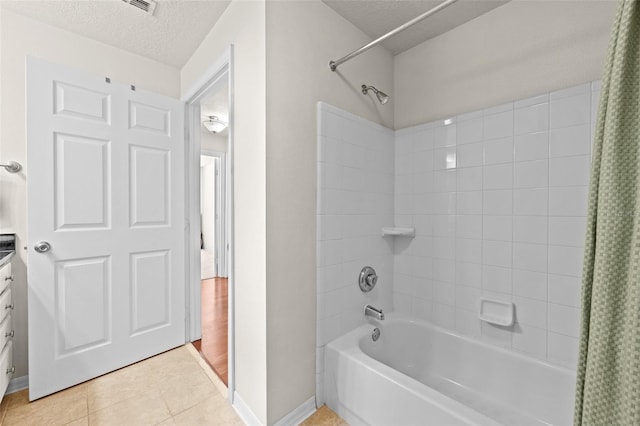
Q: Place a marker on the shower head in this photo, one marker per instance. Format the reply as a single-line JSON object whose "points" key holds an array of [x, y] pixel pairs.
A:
{"points": [[382, 97]]}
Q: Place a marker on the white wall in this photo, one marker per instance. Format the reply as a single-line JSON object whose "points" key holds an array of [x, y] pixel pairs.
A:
{"points": [[243, 25], [1, 92], [302, 36], [208, 204], [211, 142], [23, 36], [498, 198], [523, 48], [355, 201]]}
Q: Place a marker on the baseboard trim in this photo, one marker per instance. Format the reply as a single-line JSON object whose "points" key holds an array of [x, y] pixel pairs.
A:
{"points": [[300, 414], [243, 410], [18, 384]]}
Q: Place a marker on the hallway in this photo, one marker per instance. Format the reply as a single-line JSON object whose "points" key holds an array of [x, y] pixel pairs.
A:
{"points": [[213, 345]]}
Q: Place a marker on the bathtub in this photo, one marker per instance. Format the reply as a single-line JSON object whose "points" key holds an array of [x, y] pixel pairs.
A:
{"points": [[419, 374]]}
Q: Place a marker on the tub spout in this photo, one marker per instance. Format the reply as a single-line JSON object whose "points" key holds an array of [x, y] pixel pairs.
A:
{"points": [[370, 311]]}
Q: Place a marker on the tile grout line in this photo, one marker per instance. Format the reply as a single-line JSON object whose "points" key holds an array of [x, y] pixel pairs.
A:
{"points": [[546, 337]]}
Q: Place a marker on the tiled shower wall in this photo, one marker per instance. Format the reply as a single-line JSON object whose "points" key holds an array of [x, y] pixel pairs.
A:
{"points": [[355, 200], [498, 198]]}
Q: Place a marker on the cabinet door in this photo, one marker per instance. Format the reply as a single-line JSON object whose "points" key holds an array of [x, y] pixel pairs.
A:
{"points": [[6, 305], [6, 331], [5, 277], [6, 367]]}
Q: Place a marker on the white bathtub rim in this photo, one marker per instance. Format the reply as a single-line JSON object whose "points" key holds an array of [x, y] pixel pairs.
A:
{"points": [[347, 338]]}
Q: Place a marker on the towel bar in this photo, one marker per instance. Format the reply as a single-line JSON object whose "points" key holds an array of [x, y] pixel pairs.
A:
{"points": [[11, 166]]}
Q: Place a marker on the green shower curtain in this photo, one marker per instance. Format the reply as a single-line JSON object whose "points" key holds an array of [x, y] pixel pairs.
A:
{"points": [[608, 383]]}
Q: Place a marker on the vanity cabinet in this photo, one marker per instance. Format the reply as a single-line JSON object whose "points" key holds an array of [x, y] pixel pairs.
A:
{"points": [[6, 328]]}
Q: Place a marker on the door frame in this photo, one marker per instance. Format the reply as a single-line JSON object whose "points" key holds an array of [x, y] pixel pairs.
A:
{"points": [[220, 70], [221, 237]]}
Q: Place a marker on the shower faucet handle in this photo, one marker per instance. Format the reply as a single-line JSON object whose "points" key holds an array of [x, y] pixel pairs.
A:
{"points": [[367, 279], [372, 280]]}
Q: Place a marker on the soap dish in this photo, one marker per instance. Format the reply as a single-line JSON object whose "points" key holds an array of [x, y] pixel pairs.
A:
{"points": [[496, 312]]}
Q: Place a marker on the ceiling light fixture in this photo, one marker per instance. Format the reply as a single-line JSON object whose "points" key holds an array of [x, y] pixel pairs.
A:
{"points": [[214, 124]]}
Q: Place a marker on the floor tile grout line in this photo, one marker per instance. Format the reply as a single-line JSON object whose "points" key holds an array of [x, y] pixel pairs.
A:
{"points": [[166, 405], [79, 394]]}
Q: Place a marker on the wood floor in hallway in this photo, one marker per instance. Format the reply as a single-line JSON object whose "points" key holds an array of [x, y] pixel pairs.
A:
{"points": [[215, 323]]}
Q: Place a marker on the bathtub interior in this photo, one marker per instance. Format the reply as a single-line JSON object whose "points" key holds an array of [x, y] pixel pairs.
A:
{"points": [[396, 348], [506, 387], [365, 394]]}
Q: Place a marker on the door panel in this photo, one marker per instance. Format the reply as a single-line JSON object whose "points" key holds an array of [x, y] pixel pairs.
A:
{"points": [[150, 192], [81, 102], [82, 180], [83, 304], [106, 190], [149, 118], [150, 291]]}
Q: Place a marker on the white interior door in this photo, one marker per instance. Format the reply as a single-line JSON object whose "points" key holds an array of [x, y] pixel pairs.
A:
{"points": [[106, 193]]}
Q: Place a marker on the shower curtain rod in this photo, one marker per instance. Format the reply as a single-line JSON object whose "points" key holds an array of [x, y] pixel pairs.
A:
{"points": [[333, 65]]}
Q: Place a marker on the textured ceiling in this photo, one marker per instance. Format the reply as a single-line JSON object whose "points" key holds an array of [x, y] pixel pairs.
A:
{"points": [[170, 36], [377, 17], [178, 27]]}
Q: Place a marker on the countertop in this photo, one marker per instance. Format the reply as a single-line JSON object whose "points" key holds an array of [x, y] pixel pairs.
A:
{"points": [[7, 248]]}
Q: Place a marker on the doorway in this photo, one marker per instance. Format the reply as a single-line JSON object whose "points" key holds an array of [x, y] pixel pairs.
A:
{"points": [[214, 284], [209, 171], [212, 287]]}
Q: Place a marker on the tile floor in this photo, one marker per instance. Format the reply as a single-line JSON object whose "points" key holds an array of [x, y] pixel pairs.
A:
{"points": [[324, 417], [174, 388]]}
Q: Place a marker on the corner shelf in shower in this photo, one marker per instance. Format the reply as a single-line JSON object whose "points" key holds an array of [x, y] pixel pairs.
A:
{"points": [[394, 231]]}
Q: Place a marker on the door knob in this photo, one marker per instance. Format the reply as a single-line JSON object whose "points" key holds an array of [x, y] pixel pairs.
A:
{"points": [[42, 247]]}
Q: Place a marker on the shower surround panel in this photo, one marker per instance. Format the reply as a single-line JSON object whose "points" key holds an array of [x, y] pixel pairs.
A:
{"points": [[355, 200], [498, 198]]}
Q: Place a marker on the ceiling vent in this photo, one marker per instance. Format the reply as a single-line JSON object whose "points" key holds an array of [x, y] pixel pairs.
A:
{"points": [[145, 5]]}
